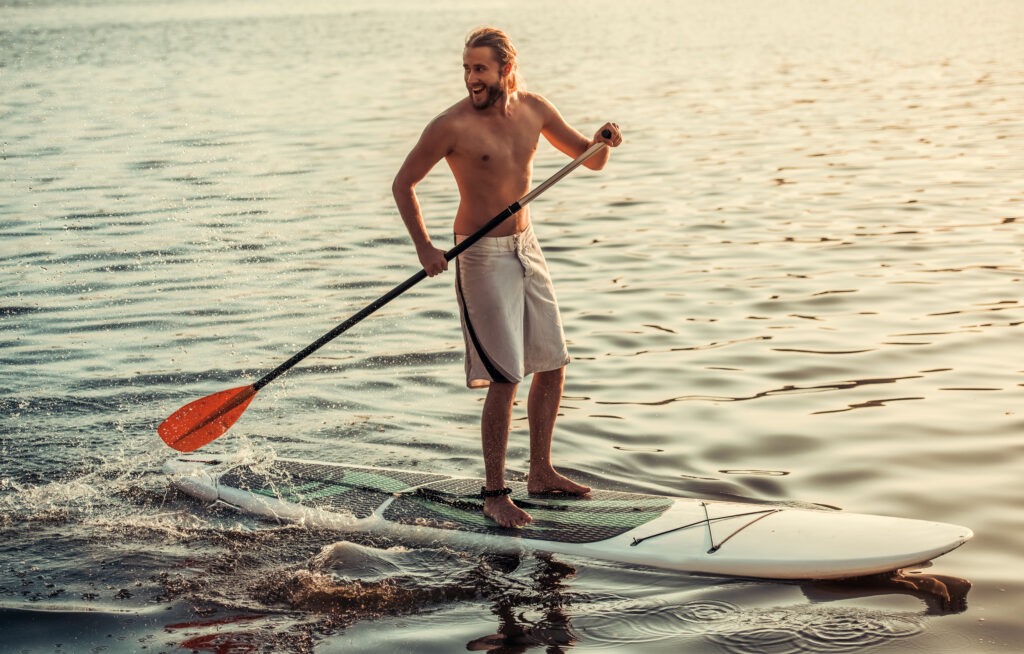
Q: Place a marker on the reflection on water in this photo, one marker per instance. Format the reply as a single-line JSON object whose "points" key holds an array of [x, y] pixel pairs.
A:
{"points": [[941, 593], [539, 592], [535, 607], [220, 642], [548, 598]]}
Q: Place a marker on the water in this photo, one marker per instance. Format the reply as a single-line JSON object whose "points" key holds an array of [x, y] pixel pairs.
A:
{"points": [[798, 280]]}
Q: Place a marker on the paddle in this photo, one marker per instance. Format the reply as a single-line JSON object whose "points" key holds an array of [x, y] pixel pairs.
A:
{"points": [[200, 422]]}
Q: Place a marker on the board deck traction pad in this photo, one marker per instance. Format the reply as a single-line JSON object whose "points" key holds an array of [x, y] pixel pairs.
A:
{"points": [[445, 502]]}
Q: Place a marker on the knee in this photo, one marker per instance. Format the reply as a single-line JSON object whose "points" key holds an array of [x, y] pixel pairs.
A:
{"points": [[502, 389], [556, 376]]}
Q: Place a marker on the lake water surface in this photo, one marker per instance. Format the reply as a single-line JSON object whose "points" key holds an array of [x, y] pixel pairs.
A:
{"points": [[799, 280]]}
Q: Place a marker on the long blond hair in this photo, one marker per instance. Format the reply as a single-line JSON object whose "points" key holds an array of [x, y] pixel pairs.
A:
{"points": [[504, 52]]}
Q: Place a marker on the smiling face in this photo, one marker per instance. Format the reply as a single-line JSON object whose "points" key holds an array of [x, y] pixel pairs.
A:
{"points": [[484, 77]]}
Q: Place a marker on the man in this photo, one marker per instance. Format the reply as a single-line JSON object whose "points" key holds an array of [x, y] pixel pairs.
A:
{"points": [[509, 316]]}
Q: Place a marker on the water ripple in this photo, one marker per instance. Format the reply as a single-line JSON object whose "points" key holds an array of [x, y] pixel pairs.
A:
{"points": [[633, 623], [785, 390], [795, 630]]}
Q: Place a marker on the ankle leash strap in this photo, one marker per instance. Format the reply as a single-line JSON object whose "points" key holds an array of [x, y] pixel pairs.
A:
{"points": [[494, 493]]}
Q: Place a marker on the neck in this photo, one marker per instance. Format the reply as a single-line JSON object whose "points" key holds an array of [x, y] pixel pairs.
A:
{"points": [[503, 105]]}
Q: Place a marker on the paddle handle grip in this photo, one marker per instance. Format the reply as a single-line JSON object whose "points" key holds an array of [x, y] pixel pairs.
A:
{"points": [[509, 211]]}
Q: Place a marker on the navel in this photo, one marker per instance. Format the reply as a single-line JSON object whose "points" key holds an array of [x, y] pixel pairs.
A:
{"points": [[486, 157]]}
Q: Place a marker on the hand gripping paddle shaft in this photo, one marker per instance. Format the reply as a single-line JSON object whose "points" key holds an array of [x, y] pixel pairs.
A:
{"points": [[200, 422]]}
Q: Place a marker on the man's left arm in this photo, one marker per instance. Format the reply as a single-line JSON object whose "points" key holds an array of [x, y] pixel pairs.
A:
{"points": [[571, 141]]}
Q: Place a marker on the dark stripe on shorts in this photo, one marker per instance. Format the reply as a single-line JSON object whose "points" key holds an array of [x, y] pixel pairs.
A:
{"points": [[491, 369]]}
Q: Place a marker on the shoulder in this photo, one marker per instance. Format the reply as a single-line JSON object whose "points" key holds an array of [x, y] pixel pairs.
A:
{"points": [[535, 101], [446, 121], [443, 129], [540, 105]]}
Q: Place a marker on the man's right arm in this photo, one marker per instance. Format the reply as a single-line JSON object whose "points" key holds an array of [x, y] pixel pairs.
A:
{"points": [[434, 144]]}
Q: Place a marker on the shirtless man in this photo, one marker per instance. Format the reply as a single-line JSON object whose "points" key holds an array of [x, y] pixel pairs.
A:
{"points": [[510, 319]]}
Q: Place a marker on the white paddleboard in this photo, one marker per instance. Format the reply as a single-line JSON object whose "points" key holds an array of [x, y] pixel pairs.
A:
{"points": [[689, 535]]}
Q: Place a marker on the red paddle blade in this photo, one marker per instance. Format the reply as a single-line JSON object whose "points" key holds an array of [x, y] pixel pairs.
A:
{"points": [[199, 422]]}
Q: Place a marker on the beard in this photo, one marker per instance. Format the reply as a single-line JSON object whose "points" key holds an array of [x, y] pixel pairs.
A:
{"points": [[491, 95]]}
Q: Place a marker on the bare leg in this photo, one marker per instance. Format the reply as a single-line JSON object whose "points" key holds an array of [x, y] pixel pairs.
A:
{"points": [[494, 426], [545, 396]]}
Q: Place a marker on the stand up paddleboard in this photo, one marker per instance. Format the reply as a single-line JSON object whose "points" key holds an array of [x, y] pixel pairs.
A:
{"points": [[689, 535]]}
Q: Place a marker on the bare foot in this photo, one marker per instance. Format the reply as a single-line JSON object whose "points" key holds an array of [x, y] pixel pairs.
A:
{"points": [[505, 513], [544, 479]]}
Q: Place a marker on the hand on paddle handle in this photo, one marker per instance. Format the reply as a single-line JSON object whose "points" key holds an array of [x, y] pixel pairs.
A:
{"points": [[432, 259], [610, 134]]}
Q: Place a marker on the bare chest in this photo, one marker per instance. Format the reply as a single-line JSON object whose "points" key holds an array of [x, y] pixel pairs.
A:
{"points": [[490, 147]]}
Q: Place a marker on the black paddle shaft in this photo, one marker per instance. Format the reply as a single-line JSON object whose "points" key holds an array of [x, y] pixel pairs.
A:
{"points": [[509, 211]]}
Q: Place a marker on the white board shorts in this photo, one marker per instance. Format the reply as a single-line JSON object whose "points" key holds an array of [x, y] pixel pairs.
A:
{"points": [[510, 318]]}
